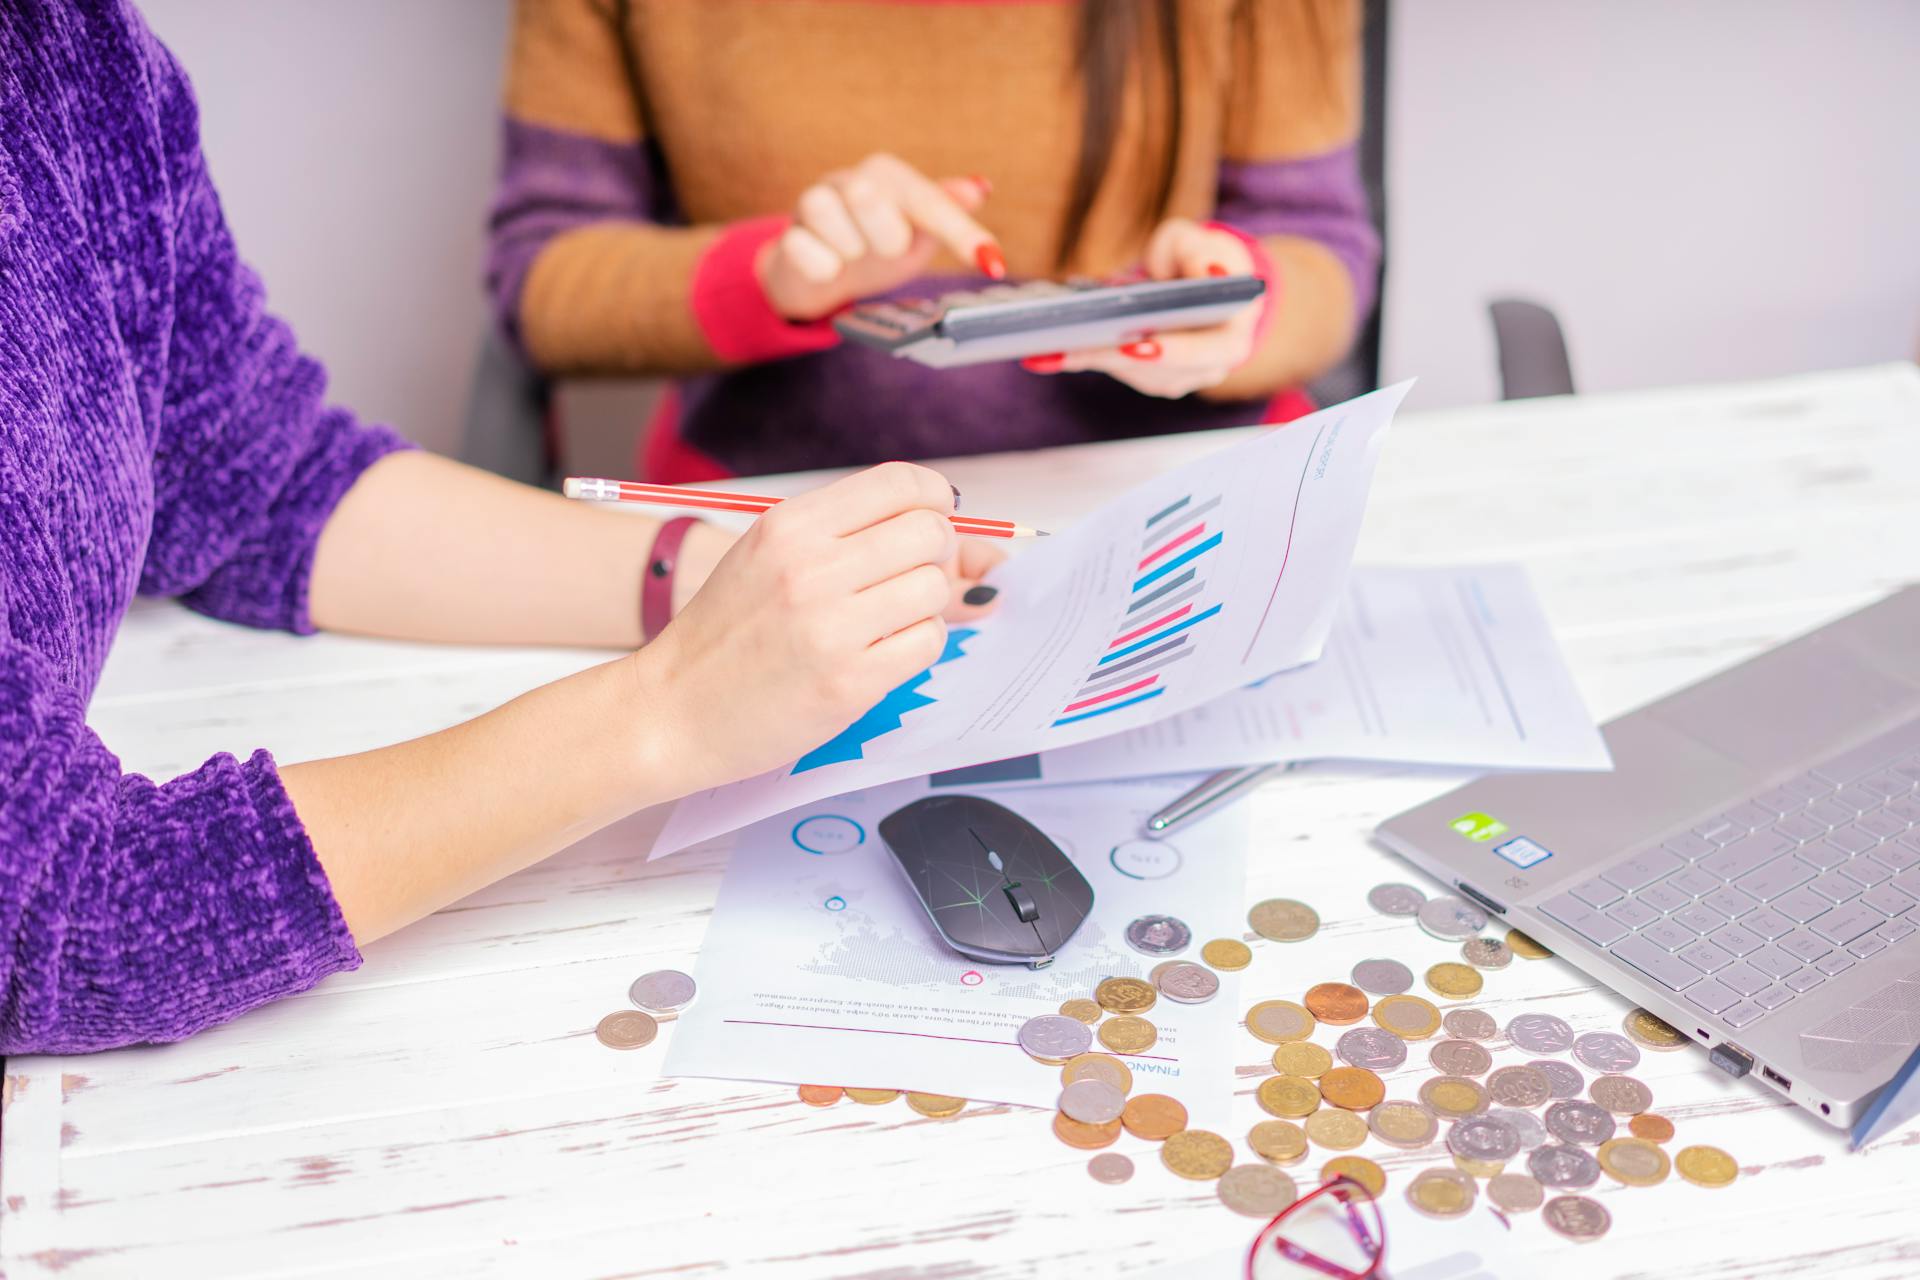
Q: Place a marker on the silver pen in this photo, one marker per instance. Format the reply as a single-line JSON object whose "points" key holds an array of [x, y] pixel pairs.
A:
{"points": [[1217, 790]]}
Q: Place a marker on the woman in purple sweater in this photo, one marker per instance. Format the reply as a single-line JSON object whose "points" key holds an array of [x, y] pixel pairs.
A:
{"points": [[160, 434]]}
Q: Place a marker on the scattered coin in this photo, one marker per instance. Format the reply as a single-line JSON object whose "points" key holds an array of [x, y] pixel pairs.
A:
{"points": [[1459, 1058], [1158, 935], [1525, 1123], [1089, 1101], [1652, 1031], [1110, 1167], [1515, 1192], [1289, 1097], [1085, 1137], [1453, 1097], [1706, 1166], [1519, 1086], [1082, 1010], [1383, 977], [1281, 1141], [873, 1097], [1357, 1169], [1486, 953], [627, 1029], [1128, 1034], [1563, 1078], [1186, 983], [1525, 947], [1451, 919], [1576, 1217], [1228, 954], [1284, 920], [820, 1095], [1125, 995], [1633, 1161], [1153, 1116], [1409, 1017], [1605, 1051], [1442, 1193], [1336, 1003], [1580, 1124], [662, 992], [1054, 1038], [1302, 1058], [1483, 1139], [1539, 1034], [1563, 1168], [1153, 974], [1651, 1127], [1354, 1088], [1622, 1095], [1278, 1021], [1256, 1190], [1336, 1130], [938, 1106], [1197, 1154], [1403, 1124], [1454, 981], [1098, 1066], [1372, 1048], [1470, 1024], [1395, 899]]}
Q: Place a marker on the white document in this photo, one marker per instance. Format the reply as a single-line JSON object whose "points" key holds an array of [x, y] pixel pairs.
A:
{"points": [[1452, 666], [1197, 582], [822, 967]]}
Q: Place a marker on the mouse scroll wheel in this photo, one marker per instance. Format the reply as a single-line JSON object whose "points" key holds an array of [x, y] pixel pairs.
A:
{"points": [[1023, 904]]}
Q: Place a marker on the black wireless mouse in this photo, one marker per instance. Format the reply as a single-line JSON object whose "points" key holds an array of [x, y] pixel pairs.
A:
{"points": [[994, 885]]}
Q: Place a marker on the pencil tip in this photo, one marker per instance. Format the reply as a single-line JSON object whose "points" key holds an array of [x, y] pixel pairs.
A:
{"points": [[1041, 533]]}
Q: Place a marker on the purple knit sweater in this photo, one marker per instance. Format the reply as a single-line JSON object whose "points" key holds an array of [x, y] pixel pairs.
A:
{"points": [[160, 434]]}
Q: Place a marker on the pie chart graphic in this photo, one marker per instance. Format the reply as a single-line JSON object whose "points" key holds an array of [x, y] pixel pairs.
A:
{"points": [[828, 833]]}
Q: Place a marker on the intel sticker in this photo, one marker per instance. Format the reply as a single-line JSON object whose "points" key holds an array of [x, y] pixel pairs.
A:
{"points": [[1522, 852]]}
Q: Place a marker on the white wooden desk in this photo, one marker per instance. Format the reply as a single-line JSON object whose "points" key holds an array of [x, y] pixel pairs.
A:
{"points": [[446, 1109]]}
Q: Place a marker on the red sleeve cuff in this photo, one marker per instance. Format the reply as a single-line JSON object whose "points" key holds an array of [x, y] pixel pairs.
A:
{"points": [[1267, 269], [732, 309]]}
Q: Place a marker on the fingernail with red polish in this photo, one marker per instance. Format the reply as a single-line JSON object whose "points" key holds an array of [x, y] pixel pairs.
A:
{"points": [[981, 181], [1049, 363], [1145, 349], [993, 263], [1215, 269]]}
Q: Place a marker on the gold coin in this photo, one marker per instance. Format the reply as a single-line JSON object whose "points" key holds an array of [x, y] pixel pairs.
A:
{"points": [[1125, 995], [1706, 1166], [1278, 1141], [1652, 1031], [1256, 1190], [1354, 1088], [1651, 1127], [1098, 1066], [1403, 1124], [873, 1097], [1154, 1116], [1197, 1154], [1082, 1010], [1409, 1017], [937, 1105], [1279, 1021], [1360, 1169], [820, 1095], [1478, 1168], [1284, 920], [1084, 1136], [1454, 980], [1442, 1193], [1288, 1097], [1336, 1130], [1633, 1161], [1526, 948], [1453, 1097], [1128, 1034], [1336, 1003], [1227, 953], [1301, 1058]]}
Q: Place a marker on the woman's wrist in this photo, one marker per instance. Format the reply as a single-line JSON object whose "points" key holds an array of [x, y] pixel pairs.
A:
{"points": [[704, 546]]}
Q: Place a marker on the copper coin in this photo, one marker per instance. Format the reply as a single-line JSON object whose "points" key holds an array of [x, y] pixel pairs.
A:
{"points": [[1153, 1116], [1651, 1127], [1354, 1088], [1086, 1137], [1110, 1167], [820, 1095], [627, 1029], [1336, 1003]]}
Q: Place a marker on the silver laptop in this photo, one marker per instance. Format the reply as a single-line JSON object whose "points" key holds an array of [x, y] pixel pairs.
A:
{"points": [[1750, 870]]}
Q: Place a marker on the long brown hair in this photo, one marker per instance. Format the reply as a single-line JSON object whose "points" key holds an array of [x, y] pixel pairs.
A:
{"points": [[1113, 34]]}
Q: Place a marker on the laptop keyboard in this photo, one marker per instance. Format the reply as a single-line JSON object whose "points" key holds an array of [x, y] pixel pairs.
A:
{"points": [[1762, 904]]}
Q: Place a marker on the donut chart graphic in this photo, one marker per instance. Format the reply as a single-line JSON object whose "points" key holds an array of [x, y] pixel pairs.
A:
{"points": [[826, 833]]}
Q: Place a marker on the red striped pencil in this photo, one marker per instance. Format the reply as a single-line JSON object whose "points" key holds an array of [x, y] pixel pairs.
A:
{"points": [[666, 495]]}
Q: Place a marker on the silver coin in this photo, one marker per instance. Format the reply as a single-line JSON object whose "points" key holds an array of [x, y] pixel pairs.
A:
{"points": [[1519, 1086], [1621, 1095], [1459, 1058], [1486, 953], [1256, 1190], [1579, 1124], [1158, 935], [1515, 1192], [1606, 1051], [1469, 1024], [1525, 1123], [1382, 977], [1563, 1167], [1539, 1033], [1187, 983], [1576, 1217], [1053, 1037], [662, 991], [1092, 1102], [1403, 1124], [1451, 919], [1372, 1048], [1563, 1078], [1395, 899], [1110, 1167], [1483, 1138]]}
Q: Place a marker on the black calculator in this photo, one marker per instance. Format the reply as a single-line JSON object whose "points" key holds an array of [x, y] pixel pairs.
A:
{"points": [[1013, 321]]}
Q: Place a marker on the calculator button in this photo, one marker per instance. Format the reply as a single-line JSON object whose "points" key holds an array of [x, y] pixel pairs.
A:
{"points": [[1773, 997], [1741, 1014]]}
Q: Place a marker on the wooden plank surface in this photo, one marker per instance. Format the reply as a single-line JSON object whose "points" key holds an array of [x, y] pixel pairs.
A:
{"points": [[445, 1109]]}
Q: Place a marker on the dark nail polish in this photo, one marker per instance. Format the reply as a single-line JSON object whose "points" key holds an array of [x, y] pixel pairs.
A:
{"points": [[956, 494], [980, 595]]}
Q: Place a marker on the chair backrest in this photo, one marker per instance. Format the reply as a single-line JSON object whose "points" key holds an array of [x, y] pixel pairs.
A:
{"points": [[1360, 370]]}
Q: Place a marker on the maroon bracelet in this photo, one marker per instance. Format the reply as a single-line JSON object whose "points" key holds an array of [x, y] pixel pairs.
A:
{"points": [[656, 581]]}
